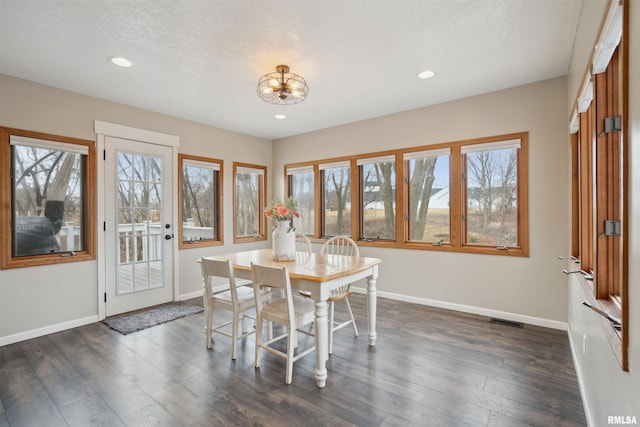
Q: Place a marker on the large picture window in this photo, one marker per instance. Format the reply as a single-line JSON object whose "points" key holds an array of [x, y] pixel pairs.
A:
{"points": [[491, 189], [249, 192], [199, 186], [51, 195], [463, 196]]}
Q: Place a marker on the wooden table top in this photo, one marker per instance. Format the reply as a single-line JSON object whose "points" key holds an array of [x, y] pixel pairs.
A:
{"points": [[313, 267]]}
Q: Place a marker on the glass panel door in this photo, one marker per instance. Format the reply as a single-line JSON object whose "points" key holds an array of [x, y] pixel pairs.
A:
{"points": [[139, 182]]}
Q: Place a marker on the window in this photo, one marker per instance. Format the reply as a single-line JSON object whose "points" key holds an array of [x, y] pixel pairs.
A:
{"points": [[491, 190], [378, 197], [301, 188], [51, 194], [199, 188], [464, 196], [336, 198], [249, 193], [429, 195], [599, 158]]}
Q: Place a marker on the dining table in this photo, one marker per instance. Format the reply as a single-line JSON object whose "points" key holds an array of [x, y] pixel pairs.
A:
{"points": [[317, 275]]}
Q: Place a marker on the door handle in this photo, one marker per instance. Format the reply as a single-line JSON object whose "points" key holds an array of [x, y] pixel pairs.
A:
{"points": [[168, 236]]}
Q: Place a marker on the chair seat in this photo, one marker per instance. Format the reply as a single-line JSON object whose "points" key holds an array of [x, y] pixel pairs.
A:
{"points": [[245, 298], [302, 307]]}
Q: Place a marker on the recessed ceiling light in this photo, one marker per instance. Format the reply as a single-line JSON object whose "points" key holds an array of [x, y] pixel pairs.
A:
{"points": [[120, 61], [280, 116], [426, 74]]}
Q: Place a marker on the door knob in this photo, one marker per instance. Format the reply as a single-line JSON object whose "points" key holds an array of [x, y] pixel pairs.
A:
{"points": [[167, 236]]}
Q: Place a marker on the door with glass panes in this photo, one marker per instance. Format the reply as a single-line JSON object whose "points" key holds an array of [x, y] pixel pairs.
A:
{"points": [[138, 225]]}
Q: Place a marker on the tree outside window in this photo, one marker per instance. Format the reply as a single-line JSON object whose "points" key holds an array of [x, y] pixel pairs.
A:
{"points": [[201, 200], [49, 190], [301, 188], [47, 200], [492, 190], [429, 195], [336, 198], [378, 189], [461, 196], [249, 203]]}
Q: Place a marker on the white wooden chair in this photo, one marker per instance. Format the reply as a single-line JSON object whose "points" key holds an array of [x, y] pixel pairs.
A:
{"points": [[291, 311], [239, 300], [339, 245], [303, 244]]}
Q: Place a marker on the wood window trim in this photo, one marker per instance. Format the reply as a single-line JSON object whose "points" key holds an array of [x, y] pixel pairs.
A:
{"points": [[220, 225], [7, 260], [610, 272], [262, 203], [402, 241]]}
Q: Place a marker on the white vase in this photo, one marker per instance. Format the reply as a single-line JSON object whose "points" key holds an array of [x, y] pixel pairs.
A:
{"points": [[284, 241]]}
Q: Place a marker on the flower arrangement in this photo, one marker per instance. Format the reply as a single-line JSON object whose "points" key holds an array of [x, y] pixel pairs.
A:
{"points": [[282, 210]]}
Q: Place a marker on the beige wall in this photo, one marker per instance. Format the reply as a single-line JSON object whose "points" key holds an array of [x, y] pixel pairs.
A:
{"points": [[528, 289], [606, 389], [37, 300]]}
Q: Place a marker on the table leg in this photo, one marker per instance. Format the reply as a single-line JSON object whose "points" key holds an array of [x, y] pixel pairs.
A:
{"points": [[371, 308], [322, 337]]}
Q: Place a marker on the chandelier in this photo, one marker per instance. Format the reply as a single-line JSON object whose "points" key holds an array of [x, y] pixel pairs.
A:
{"points": [[282, 87]]}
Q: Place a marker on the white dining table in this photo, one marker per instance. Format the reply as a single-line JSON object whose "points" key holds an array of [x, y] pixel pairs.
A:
{"points": [[318, 274]]}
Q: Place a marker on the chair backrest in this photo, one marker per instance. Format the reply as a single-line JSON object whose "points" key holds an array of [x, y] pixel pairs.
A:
{"points": [[303, 244], [215, 268], [273, 277], [340, 245]]}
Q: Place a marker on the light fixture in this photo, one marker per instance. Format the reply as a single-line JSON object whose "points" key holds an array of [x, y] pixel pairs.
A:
{"points": [[282, 87], [280, 116], [120, 61]]}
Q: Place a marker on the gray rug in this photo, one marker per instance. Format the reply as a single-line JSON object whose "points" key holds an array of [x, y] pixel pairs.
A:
{"points": [[133, 322]]}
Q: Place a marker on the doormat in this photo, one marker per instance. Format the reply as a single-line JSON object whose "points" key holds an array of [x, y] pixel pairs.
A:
{"points": [[133, 322]]}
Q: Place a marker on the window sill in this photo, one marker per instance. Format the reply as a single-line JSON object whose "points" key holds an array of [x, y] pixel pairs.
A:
{"points": [[249, 239], [447, 247], [38, 260], [205, 243]]}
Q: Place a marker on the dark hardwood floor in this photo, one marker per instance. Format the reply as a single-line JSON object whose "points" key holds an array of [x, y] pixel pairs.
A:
{"points": [[430, 367]]}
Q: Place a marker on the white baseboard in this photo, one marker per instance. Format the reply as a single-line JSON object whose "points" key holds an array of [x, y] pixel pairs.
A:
{"points": [[579, 374], [190, 295], [10, 339], [34, 333], [553, 324]]}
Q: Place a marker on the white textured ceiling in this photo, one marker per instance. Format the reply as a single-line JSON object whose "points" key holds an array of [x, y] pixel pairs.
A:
{"points": [[201, 59]]}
